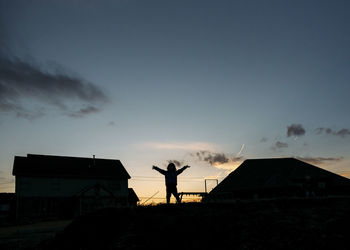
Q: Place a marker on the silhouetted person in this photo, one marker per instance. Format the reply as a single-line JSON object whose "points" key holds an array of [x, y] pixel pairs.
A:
{"points": [[171, 180]]}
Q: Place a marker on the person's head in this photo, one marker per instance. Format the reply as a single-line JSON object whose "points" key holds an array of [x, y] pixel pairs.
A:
{"points": [[171, 167]]}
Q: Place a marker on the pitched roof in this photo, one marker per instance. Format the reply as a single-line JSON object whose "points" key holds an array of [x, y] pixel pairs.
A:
{"points": [[65, 166], [274, 173]]}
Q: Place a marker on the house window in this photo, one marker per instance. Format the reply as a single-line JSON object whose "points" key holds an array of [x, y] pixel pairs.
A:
{"points": [[321, 185]]}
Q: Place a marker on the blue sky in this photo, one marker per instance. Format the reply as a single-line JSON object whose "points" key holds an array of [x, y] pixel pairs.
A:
{"points": [[151, 81]]}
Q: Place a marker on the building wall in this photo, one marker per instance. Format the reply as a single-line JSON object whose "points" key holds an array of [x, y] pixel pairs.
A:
{"points": [[65, 187]]}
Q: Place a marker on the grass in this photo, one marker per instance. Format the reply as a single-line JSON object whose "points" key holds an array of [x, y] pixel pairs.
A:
{"points": [[11, 230], [264, 224]]}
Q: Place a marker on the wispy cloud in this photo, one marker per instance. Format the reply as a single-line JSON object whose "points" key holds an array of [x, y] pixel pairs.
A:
{"points": [[323, 130], [263, 140], [328, 131], [185, 146], [240, 151], [112, 124], [342, 132], [295, 130], [4, 180], [23, 83], [344, 173], [84, 111], [320, 160], [279, 146]]}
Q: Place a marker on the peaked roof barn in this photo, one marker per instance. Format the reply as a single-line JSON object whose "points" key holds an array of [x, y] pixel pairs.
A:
{"points": [[259, 175]]}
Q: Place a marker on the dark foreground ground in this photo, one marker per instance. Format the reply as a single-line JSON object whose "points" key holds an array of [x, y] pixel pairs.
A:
{"points": [[265, 224]]}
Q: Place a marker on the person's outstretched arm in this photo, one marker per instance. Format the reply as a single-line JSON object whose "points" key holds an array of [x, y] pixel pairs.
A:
{"points": [[181, 169], [162, 171]]}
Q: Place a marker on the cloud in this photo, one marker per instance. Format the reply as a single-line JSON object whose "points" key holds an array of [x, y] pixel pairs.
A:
{"points": [[176, 162], [213, 158], [328, 131], [320, 160], [279, 146], [323, 130], [295, 130], [84, 111], [26, 90], [342, 132], [264, 139], [112, 124], [218, 160]]}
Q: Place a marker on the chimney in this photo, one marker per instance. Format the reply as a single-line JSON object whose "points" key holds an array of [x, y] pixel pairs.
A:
{"points": [[94, 162]]}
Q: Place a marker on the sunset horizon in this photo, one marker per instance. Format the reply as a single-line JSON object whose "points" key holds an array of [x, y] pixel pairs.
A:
{"points": [[199, 83]]}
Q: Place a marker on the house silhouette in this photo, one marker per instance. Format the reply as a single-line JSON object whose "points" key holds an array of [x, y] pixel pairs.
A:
{"points": [[56, 186], [279, 177]]}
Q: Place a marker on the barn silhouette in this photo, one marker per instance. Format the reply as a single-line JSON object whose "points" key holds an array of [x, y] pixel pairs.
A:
{"points": [[279, 177]]}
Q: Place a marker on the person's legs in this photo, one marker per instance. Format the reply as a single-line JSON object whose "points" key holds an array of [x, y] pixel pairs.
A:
{"points": [[176, 194], [168, 194], [171, 189]]}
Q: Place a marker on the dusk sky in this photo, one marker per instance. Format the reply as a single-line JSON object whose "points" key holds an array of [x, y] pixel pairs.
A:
{"points": [[203, 83]]}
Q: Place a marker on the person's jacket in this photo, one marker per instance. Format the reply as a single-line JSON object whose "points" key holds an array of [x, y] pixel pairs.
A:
{"points": [[170, 176]]}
